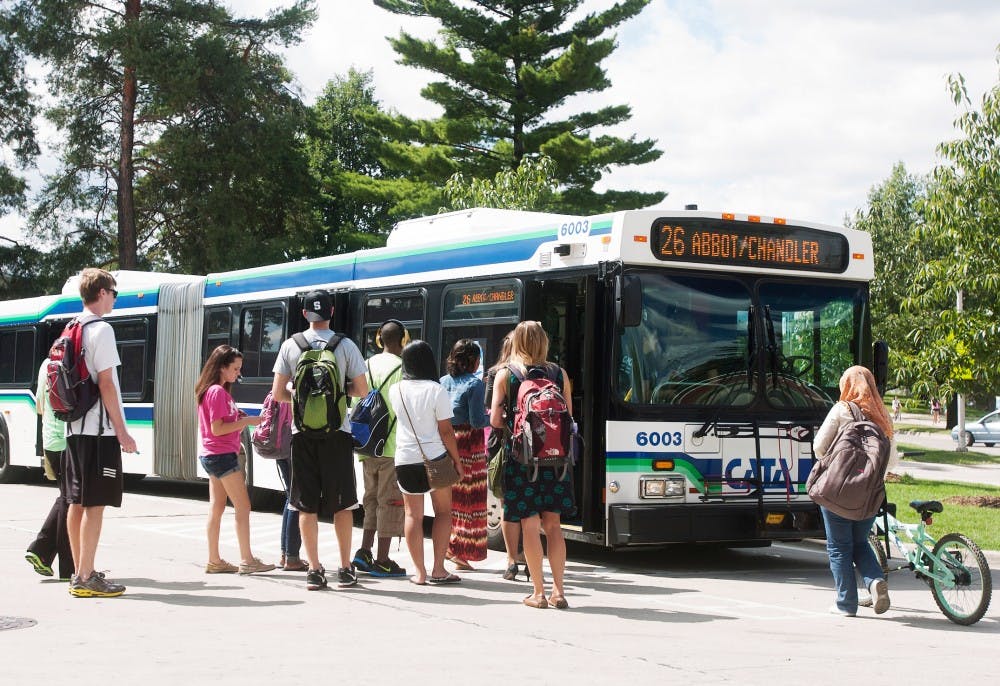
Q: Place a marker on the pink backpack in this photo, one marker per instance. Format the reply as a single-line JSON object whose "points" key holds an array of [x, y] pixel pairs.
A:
{"points": [[542, 423], [273, 436]]}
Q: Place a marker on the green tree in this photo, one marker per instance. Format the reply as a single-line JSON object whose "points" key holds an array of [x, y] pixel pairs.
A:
{"points": [[894, 218], [962, 217], [17, 110], [180, 128], [507, 68], [531, 186], [357, 189]]}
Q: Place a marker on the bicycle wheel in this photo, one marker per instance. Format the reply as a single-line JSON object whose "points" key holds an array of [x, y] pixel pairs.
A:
{"points": [[965, 601], [877, 545]]}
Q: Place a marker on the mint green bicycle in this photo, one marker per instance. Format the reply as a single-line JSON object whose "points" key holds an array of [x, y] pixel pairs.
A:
{"points": [[953, 566]]}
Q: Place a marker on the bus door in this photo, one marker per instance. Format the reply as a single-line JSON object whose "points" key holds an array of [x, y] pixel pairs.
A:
{"points": [[561, 307]]}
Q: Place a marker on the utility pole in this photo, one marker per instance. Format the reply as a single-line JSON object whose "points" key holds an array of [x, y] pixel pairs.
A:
{"points": [[959, 400]]}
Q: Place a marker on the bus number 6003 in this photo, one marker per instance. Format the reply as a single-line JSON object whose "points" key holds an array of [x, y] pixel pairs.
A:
{"points": [[656, 438]]}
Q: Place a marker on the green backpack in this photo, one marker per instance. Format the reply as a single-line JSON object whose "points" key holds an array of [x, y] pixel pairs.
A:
{"points": [[319, 403]]}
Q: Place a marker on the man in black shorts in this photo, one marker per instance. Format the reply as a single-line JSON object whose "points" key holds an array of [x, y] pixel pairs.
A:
{"points": [[323, 481], [92, 471]]}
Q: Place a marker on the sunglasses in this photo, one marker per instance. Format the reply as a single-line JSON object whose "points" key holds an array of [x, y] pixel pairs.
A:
{"points": [[113, 292]]}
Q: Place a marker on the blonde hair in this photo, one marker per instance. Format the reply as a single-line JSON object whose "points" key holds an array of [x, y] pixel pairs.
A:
{"points": [[857, 385], [92, 280], [529, 344]]}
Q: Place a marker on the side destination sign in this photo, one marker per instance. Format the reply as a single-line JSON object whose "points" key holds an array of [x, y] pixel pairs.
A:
{"points": [[748, 244]]}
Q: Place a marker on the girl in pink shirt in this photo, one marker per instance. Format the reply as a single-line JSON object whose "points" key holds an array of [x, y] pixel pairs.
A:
{"points": [[219, 425]]}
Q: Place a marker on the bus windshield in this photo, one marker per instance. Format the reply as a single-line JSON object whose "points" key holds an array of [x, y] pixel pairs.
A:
{"points": [[706, 341]]}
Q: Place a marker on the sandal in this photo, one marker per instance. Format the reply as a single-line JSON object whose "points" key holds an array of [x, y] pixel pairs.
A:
{"points": [[532, 601], [511, 573], [446, 579], [558, 602], [460, 564]]}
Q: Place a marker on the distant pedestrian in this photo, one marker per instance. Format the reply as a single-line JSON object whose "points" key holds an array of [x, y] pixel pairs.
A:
{"points": [[897, 409], [219, 425], [468, 496], [92, 470], [323, 483], [935, 410], [846, 539], [424, 431], [53, 538]]}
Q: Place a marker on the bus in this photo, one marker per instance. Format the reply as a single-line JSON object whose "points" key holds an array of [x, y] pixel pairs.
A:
{"points": [[705, 350]]}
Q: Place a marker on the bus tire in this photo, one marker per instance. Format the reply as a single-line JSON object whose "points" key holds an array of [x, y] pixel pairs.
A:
{"points": [[494, 515], [8, 473]]}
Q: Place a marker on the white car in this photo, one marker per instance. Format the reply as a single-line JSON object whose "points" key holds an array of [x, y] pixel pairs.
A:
{"points": [[985, 431]]}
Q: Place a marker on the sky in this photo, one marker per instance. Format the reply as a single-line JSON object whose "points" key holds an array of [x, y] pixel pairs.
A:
{"points": [[790, 108]]}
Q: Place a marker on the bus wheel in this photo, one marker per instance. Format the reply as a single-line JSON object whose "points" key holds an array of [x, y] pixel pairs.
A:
{"points": [[8, 472], [494, 515]]}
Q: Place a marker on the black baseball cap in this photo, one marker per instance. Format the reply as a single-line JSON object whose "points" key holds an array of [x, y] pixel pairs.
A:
{"points": [[317, 306]]}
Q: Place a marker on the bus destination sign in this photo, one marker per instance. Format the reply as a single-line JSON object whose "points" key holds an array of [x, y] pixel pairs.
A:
{"points": [[487, 296], [748, 244]]}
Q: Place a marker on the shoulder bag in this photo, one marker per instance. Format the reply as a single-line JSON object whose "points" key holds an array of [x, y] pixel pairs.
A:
{"points": [[441, 472]]}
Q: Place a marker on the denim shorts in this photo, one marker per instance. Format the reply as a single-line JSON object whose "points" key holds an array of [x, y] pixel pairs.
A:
{"points": [[220, 465]]}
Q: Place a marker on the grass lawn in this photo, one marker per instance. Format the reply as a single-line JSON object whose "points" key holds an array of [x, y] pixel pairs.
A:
{"points": [[946, 456], [981, 524], [920, 429]]}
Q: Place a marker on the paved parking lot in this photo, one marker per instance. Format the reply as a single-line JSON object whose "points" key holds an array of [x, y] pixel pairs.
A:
{"points": [[691, 614]]}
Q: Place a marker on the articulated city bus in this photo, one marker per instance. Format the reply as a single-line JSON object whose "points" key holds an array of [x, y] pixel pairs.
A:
{"points": [[704, 349]]}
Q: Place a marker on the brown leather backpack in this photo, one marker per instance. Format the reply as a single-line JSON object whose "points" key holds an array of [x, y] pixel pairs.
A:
{"points": [[850, 479]]}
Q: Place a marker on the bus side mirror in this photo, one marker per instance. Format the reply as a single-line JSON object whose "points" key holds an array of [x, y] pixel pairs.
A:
{"points": [[881, 365], [628, 300]]}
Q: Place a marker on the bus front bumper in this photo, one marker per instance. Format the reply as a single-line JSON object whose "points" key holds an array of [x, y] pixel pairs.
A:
{"points": [[712, 522]]}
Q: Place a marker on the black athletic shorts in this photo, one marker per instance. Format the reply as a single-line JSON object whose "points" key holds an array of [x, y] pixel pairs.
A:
{"points": [[92, 470], [323, 474]]}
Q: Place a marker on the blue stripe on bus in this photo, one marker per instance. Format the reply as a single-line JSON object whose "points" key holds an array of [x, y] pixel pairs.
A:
{"points": [[302, 279], [463, 256]]}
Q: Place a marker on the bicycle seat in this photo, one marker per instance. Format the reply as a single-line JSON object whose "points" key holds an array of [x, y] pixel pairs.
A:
{"points": [[926, 506]]}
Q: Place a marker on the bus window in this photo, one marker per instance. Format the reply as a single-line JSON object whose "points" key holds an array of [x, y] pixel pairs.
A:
{"points": [[813, 328], [408, 308], [131, 337], [690, 347], [262, 330], [19, 368], [483, 312], [218, 328]]}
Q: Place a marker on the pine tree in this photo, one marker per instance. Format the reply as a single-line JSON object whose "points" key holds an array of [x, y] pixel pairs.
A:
{"points": [[506, 67], [179, 124]]}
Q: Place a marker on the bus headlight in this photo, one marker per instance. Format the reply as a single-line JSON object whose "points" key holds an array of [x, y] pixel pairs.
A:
{"points": [[661, 486]]}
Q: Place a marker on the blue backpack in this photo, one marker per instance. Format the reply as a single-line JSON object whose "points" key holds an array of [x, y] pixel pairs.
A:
{"points": [[370, 422]]}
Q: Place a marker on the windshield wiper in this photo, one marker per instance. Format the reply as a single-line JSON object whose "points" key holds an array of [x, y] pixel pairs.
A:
{"points": [[772, 346], [751, 348]]}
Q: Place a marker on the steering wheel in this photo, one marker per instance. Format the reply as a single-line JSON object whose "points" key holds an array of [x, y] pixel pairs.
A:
{"points": [[796, 365]]}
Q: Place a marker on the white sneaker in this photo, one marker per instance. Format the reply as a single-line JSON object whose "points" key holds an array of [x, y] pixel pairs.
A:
{"points": [[834, 610], [880, 595], [864, 599]]}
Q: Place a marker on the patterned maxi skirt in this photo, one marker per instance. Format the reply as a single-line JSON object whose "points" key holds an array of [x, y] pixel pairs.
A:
{"points": [[468, 498]]}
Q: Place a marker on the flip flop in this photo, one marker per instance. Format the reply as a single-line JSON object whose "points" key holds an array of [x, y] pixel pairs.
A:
{"points": [[413, 580], [449, 579]]}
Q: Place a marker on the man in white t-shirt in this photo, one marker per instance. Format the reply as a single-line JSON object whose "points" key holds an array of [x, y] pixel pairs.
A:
{"points": [[323, 467], [94, 443]]}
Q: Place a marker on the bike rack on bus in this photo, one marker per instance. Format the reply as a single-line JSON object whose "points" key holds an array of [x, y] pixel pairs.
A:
{"points": [[755, 484]]}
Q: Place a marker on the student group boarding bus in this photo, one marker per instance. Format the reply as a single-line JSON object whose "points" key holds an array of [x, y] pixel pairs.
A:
{"points": [[704, 348]]}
